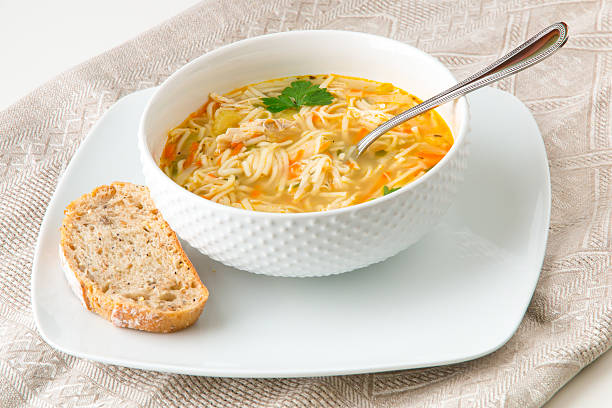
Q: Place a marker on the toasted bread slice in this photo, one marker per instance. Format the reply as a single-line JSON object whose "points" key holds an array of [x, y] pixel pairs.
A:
{"points": [[125, 263]]}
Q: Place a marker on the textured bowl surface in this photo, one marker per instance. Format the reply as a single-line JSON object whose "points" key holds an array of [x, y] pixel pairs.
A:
{"points": [[306, 244]]}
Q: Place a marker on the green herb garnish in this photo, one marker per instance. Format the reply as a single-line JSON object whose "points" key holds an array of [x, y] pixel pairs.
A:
{"points": [[387, 190], [380, 153], [300, 93]]}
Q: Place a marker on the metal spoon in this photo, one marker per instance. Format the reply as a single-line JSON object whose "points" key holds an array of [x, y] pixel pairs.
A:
{"points": [[534, 50]]}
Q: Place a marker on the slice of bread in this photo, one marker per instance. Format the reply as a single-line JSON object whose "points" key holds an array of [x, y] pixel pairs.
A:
{"points": [[125, 263]]}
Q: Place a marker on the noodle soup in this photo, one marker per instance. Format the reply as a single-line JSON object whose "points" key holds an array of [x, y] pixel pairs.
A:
{"points": [[281, 145]]}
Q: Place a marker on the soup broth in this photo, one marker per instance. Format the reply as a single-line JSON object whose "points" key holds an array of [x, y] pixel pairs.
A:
{"points": [[240, 150]]}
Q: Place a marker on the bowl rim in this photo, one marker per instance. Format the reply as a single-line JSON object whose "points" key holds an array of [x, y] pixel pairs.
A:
{"points": [[145, 153]]}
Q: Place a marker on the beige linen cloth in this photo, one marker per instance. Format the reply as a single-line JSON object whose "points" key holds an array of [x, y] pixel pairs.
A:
{"points": [[568, 323]]}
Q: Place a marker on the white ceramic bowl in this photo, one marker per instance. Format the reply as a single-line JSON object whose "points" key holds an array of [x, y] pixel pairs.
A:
{"points": [[306, 244]]}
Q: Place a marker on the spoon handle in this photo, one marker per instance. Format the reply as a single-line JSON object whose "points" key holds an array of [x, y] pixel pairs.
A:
{"points": [[534, 50]]}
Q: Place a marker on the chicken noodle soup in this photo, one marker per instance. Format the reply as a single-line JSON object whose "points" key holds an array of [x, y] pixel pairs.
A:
{"points": [[281, 145]]}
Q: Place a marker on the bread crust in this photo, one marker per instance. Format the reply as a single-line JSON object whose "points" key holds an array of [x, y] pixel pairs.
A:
{"points": [[124, 313]]}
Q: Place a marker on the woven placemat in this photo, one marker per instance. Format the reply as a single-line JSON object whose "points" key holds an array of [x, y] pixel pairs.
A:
{"points": [[568, 323]]}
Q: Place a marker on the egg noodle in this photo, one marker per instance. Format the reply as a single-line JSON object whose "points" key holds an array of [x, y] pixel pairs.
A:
{"points": [[235, 151]]}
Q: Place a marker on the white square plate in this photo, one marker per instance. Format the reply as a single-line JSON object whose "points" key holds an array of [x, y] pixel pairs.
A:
{"points": [[458, 294]]}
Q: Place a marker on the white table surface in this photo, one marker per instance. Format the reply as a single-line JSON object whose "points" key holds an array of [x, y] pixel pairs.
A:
{"points": [[41, 39]]}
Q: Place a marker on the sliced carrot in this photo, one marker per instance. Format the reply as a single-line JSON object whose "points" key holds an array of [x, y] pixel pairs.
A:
{"points": [[236, 147], [298, 157], [169, 152], [255, 193], [294, 170], [324, 146], [193, 149], [316, 120], [405, 128], [212, 175], [430, 155], [430, 162], [430, 159], [360, 135]]}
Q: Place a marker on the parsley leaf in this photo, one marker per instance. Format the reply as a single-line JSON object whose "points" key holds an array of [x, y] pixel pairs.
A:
{"points": [[387, 190], [300, 93]]}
